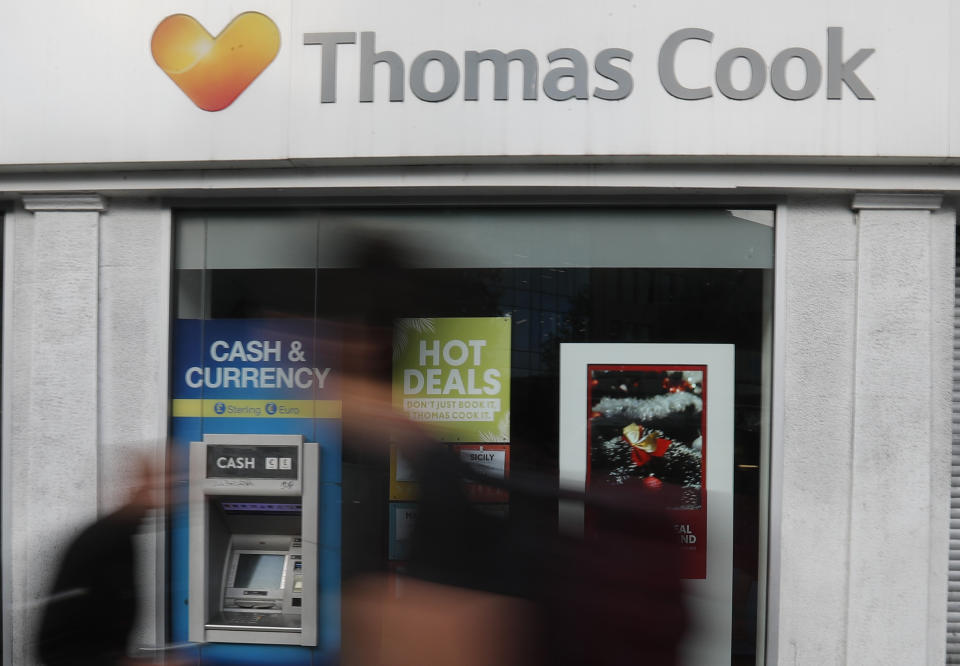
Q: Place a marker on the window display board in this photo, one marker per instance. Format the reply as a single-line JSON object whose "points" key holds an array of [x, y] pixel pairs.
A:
{"points": [[403, 486], [660, 416], [491, 460], [403, 517], [454, 375], [451, 375]]}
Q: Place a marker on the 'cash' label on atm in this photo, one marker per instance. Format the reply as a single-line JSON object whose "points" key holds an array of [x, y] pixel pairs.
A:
{"points": [[252, 462]]}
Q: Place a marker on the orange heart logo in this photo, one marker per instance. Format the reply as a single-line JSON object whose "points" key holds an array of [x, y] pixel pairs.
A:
{"points": [[213, 71]]}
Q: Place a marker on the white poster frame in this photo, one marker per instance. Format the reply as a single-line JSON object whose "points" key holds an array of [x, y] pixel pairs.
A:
{"points": [[709, 601]]}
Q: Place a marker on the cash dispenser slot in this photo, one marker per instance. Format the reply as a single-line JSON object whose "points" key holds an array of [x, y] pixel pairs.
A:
{"points": [[253, 576]]}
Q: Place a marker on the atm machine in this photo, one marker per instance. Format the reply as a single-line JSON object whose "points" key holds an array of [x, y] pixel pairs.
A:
{"points": [[253, 540]]}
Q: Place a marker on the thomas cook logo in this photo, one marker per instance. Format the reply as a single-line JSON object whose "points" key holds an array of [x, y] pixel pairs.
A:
{"points": [[213, 71]]}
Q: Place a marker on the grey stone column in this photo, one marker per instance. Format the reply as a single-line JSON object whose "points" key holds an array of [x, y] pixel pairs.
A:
{"points": [[900, 457], [862, 531], [86, 337], [811, 536], [135, 255], [50, 463]]}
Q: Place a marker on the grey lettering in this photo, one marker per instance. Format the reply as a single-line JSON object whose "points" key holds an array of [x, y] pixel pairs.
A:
{"points": [[369, 59], [618, 75], [813, 73], [667, 61], [501, 72], [758, 74], [840, 72], [328, 72], [451, 76], [577, 71]]}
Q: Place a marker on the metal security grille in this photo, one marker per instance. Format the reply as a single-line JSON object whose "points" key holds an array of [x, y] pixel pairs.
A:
{"points": [[953, 605]]}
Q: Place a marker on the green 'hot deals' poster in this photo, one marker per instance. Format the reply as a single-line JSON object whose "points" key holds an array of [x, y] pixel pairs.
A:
{"points": [[453, 374]]}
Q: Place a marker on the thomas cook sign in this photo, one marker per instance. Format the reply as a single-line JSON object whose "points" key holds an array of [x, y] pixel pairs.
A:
{"points": [[213, 72], [567, 72], [297, 82]]}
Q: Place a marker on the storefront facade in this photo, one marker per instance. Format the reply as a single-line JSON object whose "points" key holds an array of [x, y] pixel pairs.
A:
{"points": [[779, 181]]}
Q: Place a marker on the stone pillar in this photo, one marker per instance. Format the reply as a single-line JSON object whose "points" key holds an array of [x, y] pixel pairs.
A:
{"points": [[50, 449], [900, 480], [810, 538], [86, 336], [860, 539], [135, 255]]}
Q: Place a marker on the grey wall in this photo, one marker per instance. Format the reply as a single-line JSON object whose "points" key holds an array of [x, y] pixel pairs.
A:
{"points": [[866, 431], [85, 385]]}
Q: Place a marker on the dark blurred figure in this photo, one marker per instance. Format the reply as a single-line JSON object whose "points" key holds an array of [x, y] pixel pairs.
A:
{"points": [[92, 607], [610, 597], [618, 596], [481, 588]]}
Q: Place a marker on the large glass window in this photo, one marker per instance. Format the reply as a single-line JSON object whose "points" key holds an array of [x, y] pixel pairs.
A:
{"points": [[571, 275]]}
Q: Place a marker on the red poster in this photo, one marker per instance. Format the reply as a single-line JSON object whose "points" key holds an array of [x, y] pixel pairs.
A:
{"points": [[646, 428]]}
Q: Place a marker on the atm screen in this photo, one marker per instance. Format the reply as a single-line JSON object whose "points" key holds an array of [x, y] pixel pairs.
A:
{"points": [[259, 571]]}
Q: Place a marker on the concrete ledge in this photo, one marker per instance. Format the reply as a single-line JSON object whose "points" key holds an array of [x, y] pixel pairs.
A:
{"points": [[65, 202], [873, 201]]}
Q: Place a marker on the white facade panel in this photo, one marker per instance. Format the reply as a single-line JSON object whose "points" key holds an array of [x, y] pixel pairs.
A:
{"points": [[87, 89]]}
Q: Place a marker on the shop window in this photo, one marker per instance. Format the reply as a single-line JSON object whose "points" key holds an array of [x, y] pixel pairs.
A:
{"points": [[558, 276]]}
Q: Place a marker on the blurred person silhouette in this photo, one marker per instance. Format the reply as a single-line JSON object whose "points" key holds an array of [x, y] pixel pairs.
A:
{"points": [[614, 595], [481, 588], [609, 596], [92, 608], [413, 621], [515, 590]]}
